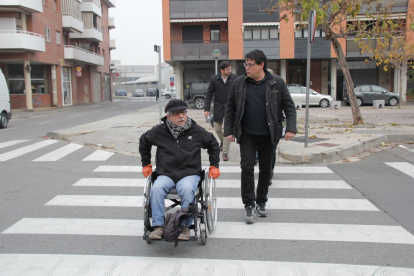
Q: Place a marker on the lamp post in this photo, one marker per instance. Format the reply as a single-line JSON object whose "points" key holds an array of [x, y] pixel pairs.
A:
{"points": [[216, 54]]}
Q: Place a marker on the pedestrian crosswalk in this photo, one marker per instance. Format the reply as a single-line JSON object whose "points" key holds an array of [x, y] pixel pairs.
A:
{"points": [[124, 190], [64, 150]]}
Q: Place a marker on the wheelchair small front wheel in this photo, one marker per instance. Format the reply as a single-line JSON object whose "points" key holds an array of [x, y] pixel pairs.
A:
{"points": [[203, 237]]}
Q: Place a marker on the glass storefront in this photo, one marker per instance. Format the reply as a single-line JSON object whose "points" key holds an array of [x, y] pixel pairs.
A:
{"points": [[39, 77], [66, 86]]}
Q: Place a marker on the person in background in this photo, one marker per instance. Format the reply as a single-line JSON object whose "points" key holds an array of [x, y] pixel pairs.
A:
{"points": [[219, 90]]}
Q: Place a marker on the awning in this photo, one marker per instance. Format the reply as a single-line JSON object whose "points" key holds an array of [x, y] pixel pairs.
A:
{"points": [[197, 20], [257, 24]]}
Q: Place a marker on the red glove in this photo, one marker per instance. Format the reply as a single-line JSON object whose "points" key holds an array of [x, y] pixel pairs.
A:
{"points": [[147, 170], [213, 172]]}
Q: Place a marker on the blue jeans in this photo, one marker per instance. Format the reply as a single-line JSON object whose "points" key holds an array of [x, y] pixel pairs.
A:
{"points": [[186, 188]]}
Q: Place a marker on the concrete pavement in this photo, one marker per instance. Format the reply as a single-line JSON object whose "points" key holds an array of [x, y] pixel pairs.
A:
{"points": [[332, 137]]}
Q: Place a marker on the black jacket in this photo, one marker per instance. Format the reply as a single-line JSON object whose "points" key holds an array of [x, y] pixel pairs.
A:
{"points": [[220, 91], [178, 158], [277, 100]]}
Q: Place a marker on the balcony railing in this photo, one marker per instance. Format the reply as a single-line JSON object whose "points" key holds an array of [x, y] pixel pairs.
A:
{"points": [[198, 9], [83, 56], [321, 48], [112, 44], [92, 34], [198, 50], [71, 23], [92, 6], [353, 50], [22, 41], [30, 6], [110, 3], [111, 23]]}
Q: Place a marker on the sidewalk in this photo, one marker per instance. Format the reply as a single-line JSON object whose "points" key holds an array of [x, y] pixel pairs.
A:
{"points": [[332, 137]]}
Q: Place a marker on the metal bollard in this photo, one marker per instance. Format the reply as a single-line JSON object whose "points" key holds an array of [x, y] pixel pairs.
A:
{"points": [[335, 104]]}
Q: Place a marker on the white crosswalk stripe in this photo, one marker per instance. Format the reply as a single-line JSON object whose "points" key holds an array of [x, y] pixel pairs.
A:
{"points": [[98, 155], [404, 167], [11, 143], [59, 153], [28, 264], [21, 151], [224, 230]]}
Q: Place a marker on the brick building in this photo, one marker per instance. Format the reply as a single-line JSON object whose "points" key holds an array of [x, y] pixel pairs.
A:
{"points": [[56, 52], [192, 29]]}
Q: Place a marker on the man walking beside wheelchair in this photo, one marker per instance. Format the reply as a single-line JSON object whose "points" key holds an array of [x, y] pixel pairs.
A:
{"points": [[179, 141]]}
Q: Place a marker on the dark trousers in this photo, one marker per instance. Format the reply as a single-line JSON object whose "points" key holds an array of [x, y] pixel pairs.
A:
{"points": [[266, 150]]}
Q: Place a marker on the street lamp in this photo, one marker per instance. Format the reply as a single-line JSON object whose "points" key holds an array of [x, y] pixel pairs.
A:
{"points": [[216, 54]]}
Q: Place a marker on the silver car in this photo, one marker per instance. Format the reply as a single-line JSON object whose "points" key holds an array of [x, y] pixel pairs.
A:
{"points": [[298, 94]]}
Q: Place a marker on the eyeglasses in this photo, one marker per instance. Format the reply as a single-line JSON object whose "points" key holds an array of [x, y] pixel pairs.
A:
{"points": [[178, 112], [249, 65], [228, 69]]}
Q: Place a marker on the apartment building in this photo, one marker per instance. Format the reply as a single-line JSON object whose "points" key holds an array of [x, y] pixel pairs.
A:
{"points": [[193, 29], [56, 52]]}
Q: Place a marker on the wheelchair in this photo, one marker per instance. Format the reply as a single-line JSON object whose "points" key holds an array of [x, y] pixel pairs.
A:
{"points": [[205, 202]]}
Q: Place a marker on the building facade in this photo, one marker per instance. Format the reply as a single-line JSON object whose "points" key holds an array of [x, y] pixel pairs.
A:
{"points": [[193, 29], [56, 53]]}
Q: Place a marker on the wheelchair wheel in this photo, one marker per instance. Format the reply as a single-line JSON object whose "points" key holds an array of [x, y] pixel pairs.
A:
{"points": [[203, 236], [146, 204], [211, 201]]}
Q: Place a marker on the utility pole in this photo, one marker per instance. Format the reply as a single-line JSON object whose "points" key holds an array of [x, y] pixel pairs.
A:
{"points": [[157, 49]]}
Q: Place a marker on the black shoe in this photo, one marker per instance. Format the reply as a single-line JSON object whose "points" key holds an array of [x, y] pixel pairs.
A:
{"points": [[261, 210], [221, 146], [250, 214]]}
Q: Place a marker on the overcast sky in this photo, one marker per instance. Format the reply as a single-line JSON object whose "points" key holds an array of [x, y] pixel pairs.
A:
{"points": [[138, 27]]}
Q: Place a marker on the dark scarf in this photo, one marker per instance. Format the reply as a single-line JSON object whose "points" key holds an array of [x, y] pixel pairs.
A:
{"points": [[177, 130]]}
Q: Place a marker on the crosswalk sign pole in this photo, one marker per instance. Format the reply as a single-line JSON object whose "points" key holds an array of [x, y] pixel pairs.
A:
{"points": [[158, 50]]}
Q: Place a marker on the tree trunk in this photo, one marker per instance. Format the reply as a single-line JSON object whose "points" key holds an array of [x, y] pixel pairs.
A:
{"points": [[400, 88], [356, 114]]}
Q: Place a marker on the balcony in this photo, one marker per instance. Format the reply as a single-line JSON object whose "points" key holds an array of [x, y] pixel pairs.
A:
{"points": [[21, 41], [92, 6], [110, 3], [28, 6], [353, 50], [198, 9], [82, 56], [72, 24], [321, 48], [197, 50], [91, 34], [111, 23], [112, 44]]}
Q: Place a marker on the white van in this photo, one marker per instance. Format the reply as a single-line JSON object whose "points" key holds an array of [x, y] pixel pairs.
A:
{"points": [[5, 112]]}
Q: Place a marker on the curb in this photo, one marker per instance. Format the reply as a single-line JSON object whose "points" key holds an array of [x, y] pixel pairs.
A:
{"points": [[342, 152]]}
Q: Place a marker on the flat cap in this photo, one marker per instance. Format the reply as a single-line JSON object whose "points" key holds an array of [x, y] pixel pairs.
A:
{"points": [[175, 104]]}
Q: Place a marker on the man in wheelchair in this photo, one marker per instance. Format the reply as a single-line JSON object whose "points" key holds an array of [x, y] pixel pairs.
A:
{"points": [[179, 141]]}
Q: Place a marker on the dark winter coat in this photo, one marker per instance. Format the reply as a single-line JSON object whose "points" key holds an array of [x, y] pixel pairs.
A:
{"points": [[278, 99], [178, 158], [220, 91]]}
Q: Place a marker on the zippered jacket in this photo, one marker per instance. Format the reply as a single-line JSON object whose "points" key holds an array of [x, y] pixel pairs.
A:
{"points": [[278, 100], [178, 158]]}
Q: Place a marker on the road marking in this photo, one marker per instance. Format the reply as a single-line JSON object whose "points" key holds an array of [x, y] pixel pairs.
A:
{"points": [[223, 183], [59, 153], [328, 204], [11, 143], [404, 167], [76, 116], [111, 182], [61, 264], [113, 107], [44, 122], [6, 129], [99, 155], [225, 169], [97, 111], [21, 151], [224, 230]]}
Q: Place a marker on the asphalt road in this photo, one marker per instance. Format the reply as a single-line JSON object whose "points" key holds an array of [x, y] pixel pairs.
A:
{"points": [[359, 221]]}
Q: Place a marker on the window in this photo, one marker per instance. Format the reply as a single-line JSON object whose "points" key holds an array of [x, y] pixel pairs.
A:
{"points": [[39, 78], [58, 41], [47, 34], [294, 90], [303, 32], [261, 33], [215, 33], [364, 88], [45, 2], [55, 5], [377, 89]]}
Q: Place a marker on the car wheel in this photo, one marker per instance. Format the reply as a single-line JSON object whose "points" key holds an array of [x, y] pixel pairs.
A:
{"points": [[324, 103], [199, 103], [393, 101], [3, 120], [359, 101], [167, 96]]}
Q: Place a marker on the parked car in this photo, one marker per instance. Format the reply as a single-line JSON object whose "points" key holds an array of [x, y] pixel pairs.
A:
{"points": [[169, 92], [298, 94], [366, 94], [120, 92], [5, 111], [151, 92], [138, 93], [196, 94]]}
